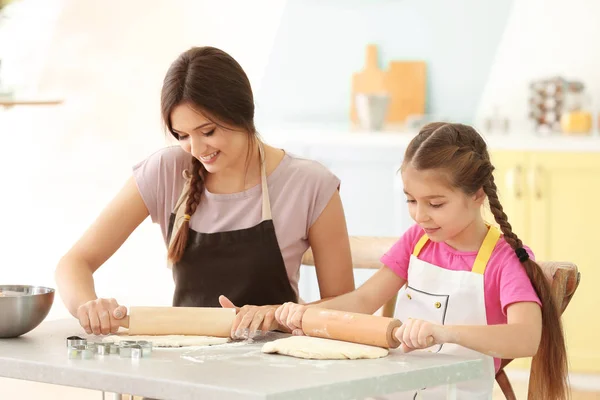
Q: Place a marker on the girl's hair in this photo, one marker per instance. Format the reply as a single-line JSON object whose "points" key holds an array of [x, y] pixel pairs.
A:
{"points": [[212, 82], [461, 155]]}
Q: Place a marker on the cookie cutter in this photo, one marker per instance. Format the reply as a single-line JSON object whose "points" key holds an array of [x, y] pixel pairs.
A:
{"points": [[146, 347], [125, 351], [80, 348], [136, 351], [74, 352], [103, 349], [93, 346], [80, 352], [114, 348], [76, 341]]}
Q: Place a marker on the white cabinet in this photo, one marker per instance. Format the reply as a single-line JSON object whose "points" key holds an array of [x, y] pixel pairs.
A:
{"points": [[371, 188]]}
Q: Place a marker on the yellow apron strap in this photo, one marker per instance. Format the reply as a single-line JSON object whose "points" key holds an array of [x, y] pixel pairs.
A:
{"points": [[486, 249], [420, 244]]}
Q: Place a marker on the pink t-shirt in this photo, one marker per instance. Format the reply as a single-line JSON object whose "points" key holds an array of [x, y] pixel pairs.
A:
{"points": [[505, 280], [299, 190]]}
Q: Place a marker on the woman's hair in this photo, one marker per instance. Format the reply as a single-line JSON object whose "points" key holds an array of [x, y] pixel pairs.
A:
{"points": [[461, 155], [212, 82]]}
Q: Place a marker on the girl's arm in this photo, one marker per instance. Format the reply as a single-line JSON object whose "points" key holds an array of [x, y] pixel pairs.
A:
{"points": [[367, 299], [519, 337]]}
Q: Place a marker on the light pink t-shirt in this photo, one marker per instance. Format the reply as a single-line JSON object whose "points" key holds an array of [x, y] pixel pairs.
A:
{"points": [[505, 280], [299, 190]]}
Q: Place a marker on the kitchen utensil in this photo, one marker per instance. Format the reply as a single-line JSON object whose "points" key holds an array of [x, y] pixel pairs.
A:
{"points": [[372, 110], [80, 348], [352, 327], [204, 321], [76, 341], [405, 81], [371, 80], [22, 308]]}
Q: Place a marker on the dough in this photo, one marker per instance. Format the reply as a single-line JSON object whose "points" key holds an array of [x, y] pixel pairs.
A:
{"points": [[170, 340], [322, 349]]}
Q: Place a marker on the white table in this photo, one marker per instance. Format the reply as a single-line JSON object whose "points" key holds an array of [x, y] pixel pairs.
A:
{"points": [[231, 371]]}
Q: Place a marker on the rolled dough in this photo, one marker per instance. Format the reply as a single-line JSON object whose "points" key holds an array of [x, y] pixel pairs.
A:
{"points": [[322, 349], [170, 340]]}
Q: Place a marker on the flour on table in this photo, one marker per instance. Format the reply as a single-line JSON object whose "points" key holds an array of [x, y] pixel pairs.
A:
{"points": [[169, 340], [322, 349]]}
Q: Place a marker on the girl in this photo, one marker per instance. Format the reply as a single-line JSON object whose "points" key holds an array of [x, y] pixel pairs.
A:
{"points": [[466, 288], [233, 221]]}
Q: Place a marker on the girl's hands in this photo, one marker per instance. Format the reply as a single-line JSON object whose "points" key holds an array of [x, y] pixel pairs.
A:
{"points": [[289, 316], [415, 334], [101, 316]]}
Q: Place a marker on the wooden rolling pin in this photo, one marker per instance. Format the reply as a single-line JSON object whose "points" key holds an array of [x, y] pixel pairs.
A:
{"points": [[352, 327], [179, 321]]}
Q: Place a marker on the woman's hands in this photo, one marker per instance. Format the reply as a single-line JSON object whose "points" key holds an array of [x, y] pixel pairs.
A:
{"points": [[101, 316], [250, 321], [415, 334]]}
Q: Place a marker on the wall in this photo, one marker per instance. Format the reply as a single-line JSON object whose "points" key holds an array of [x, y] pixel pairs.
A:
{"points": [[543, 38], [321, 43], [59, 166]]}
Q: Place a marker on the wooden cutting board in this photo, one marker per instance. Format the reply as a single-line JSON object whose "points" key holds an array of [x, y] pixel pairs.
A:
{"points": [[403, 81], [370, 80]]}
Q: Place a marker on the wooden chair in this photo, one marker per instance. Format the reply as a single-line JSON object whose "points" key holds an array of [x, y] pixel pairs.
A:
{"points": [[564, 279], [366, 251]]}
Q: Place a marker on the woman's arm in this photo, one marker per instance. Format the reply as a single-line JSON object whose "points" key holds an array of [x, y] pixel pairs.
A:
{"points": [[328, 239], [519, 337], [101, 240]]}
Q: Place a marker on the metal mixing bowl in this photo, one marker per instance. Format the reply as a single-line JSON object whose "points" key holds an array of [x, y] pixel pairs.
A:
{"points": [[22, 308]]}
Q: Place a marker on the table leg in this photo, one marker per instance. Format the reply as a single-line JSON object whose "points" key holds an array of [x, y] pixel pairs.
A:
{"points": [[451, 392]]}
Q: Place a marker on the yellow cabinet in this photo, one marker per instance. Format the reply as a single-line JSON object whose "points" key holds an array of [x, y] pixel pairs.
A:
{"points": [[509, 176], [551, 199]]}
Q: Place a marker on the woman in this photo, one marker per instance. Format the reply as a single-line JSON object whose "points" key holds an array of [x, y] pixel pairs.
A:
{"points": [[237, 215]]}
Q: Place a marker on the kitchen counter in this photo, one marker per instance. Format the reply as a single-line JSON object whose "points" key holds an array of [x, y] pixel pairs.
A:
{"points": [[230, 371], [349, 137]]}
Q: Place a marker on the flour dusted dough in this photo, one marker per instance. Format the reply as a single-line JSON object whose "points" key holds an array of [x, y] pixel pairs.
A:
{"points": [[170, 340], [322, 349]]}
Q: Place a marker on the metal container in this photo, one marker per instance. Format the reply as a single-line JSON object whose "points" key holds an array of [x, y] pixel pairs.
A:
{"points": [[22, 308]]}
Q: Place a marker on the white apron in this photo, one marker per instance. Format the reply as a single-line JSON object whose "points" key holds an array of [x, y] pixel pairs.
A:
{"points": [[448, 297]]}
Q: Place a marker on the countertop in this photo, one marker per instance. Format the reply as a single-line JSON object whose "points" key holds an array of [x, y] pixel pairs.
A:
{"points": [[230, 371], [518, 140]]}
